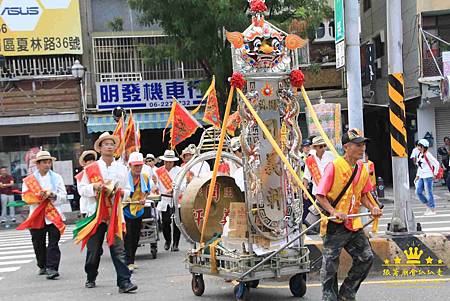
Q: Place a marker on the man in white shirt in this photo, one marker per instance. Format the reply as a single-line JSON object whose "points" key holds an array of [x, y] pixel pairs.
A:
{"points": [[427, 169], [95, 181], [45, 191], [165, 176], [315, 164]]}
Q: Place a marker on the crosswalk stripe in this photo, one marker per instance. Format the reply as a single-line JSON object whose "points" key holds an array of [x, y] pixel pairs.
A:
{"points": [[423, 223], [440, 229], [17, 244], [10, 269], [419, 210], [14, 248], [17, 252], [28, 238], [421, 216], [16, 262], [17, 256]]}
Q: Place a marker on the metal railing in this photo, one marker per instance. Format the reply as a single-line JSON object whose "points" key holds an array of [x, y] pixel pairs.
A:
{"points": [[124, 59], [17, 68]]}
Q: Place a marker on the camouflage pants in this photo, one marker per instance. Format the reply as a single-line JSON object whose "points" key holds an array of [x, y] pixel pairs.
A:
{"points": [[357, 245]]}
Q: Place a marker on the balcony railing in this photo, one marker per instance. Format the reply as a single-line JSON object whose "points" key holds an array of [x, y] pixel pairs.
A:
{"points": [[22, 68]]}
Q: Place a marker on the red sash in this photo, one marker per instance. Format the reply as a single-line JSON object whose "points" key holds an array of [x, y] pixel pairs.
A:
{"points": [[46, 209], [164, 177], [94, 175], [313, 169], [107, 211]]}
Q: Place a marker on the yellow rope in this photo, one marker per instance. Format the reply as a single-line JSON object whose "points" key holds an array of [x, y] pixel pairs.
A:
{"points": [[277, 149], [216, 163]]}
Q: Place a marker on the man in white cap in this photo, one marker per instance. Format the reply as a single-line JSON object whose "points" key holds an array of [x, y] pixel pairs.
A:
{"points": [[45, 191], [165, 176], [95, 186], [134, 210], [86, 158], [315, 165]]}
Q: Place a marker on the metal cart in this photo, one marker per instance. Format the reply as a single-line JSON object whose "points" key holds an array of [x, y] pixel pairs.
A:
{"points": [[149, 230]]}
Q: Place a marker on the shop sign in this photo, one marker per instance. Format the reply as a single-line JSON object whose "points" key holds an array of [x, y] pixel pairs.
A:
{"points": [[40, 27], [155, 94]]}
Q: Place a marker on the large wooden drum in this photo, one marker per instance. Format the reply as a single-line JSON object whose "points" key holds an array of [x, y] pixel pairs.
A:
{"points": [[194, 202]]}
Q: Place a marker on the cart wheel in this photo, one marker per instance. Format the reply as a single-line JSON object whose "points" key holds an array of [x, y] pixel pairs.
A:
{"points": [[154, 251], [253, 283], [297, 285], [198, 284], [242, 291]]}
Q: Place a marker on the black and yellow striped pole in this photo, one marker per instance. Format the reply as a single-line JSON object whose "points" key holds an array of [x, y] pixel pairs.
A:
{"points": [[397, 115], [402, 218]]}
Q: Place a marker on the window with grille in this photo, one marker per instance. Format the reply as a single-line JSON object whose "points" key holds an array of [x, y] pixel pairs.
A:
{"points": [[122, 59], [23, 67]]}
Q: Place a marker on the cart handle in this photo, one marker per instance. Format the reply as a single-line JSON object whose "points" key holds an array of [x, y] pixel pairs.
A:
{"points": [[293, 240]]}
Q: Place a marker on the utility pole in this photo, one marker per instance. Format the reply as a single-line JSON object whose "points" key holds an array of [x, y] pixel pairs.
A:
{"points": [[403, 217], [353, 65]]}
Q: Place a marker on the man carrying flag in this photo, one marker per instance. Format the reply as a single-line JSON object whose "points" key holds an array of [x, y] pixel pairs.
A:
{"points": [[104, 185], [44, 191]]}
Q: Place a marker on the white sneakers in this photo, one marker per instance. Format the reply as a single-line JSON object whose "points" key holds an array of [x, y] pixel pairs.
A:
{"points": [[429, 212]]}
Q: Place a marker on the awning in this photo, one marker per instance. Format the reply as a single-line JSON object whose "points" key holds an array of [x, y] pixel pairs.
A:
{"points": [[146, 120]]}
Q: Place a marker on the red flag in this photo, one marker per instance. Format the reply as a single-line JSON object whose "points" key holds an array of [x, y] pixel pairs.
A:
{"points": [[212, 115], [183, 123], [119, 133], [130, 137], [234, 122]]}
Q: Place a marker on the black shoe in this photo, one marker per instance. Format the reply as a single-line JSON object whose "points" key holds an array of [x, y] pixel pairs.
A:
{"points": [[167, 246], [175, 248], [127, 288], [52, 274], [89, 284], [42, 271]]}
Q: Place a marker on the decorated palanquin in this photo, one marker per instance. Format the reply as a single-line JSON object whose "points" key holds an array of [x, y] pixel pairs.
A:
{"points": [[244, 227], [266, 57]]}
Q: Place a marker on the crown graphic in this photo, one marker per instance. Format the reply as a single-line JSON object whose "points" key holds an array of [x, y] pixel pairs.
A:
{"points": [[413, 257]]}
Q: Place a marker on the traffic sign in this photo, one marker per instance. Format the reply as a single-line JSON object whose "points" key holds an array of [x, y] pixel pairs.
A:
{"points": [[340, 54], [339, 29]]}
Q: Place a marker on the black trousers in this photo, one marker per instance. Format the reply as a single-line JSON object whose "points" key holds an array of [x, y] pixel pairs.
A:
{"points": [[132, 236], [95, 251], [47, 256], [167, 223]]}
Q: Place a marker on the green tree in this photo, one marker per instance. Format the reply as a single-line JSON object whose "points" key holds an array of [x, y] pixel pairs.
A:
{"points": [[196, 29]]}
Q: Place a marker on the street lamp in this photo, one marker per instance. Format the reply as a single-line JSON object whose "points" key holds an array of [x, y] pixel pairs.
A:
{"points": [[78, 72]]}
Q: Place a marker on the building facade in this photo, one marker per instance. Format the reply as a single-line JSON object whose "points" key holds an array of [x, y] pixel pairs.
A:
{"points": [[426, 36], [119, 73], [39, 97]]}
